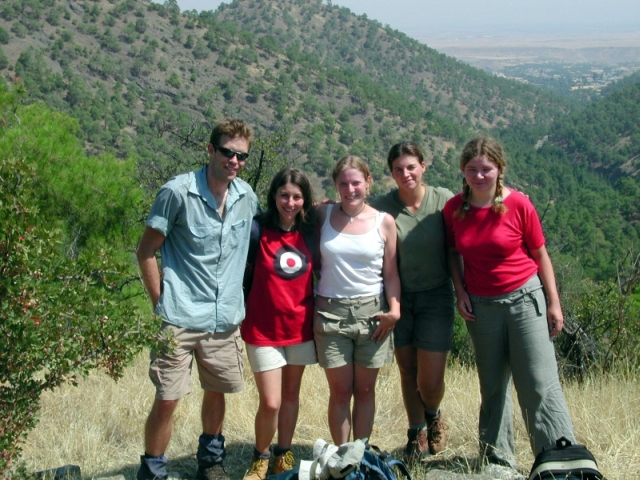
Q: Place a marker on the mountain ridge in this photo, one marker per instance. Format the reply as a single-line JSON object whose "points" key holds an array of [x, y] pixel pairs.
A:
{"points": [[316, 81]]}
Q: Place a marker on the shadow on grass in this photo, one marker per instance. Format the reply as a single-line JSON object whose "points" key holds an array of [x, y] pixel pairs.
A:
{"points": [[459, 465], [239, 456], [236, 463]]}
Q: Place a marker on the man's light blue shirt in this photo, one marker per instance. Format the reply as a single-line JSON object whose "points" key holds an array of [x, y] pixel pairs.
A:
{"points": [[203, 255]]}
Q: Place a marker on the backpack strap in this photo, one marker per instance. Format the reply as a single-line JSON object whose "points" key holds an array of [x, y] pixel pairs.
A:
{"points": [[400, 465], [373, 452], [372, 463]]}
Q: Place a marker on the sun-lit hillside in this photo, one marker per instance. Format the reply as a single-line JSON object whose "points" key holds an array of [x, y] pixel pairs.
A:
{"points": [[99, 425]]}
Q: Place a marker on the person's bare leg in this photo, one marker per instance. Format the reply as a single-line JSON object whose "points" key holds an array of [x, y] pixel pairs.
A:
{"points": [[157, 430], [288, 416], [407, 360], [269, 386], [431, 367], [213, 408], [364, 401], [340, 381], [430, 378]]}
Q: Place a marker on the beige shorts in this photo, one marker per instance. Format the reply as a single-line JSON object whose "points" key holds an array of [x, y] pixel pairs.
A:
{"points": [[342, 328], [219, 357], [264, 358]]}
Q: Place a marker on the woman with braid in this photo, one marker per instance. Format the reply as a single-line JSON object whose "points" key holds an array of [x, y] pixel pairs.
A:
{"points": [[507, 294]]}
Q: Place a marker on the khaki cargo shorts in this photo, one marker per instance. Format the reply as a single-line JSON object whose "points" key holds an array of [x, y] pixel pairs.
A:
{"points": [[342, 328], [219, 357]]}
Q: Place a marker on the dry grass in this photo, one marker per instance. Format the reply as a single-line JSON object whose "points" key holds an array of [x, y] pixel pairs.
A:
{"points": [[99, 424]]}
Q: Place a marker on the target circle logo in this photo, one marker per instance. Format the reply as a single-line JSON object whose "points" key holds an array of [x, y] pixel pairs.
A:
{"points": [[290, 263]]}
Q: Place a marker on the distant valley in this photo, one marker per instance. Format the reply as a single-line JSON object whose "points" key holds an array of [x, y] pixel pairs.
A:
{"points": [[145, 81], [585, 59]]}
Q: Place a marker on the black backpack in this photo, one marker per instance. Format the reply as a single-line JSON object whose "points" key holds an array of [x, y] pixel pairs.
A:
{"points": [[564, 461]]}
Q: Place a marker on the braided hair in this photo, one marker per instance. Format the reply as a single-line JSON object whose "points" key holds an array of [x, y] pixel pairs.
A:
{"points": [[482, 147]]}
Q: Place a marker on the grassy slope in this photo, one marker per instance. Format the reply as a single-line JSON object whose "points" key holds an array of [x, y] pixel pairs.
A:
{"points": [[103, 423]]}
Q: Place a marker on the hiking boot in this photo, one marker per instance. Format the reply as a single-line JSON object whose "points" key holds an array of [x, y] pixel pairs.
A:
{"points": [[417, 447], [284, 462], [214, 472], [152, 468], [436, 436], [258, 470]]}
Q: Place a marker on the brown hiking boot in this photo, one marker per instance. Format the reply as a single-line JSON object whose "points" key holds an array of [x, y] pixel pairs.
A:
{"points": [[417, 446], [284, 462], [258, 470], [436, 436]]}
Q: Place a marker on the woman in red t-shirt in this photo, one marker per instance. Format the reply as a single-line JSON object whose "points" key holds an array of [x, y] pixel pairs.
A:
{"points": [[278, 326], [501, 272]]}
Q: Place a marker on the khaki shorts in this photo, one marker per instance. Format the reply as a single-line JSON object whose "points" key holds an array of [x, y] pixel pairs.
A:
{"points": [[219, 359], [265, 358], [343, 327]]}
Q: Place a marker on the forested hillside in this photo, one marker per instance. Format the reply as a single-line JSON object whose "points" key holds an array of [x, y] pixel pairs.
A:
{"points": [[584, 170], [101, 101], [336, 82], [605, 135], [147, 81]]}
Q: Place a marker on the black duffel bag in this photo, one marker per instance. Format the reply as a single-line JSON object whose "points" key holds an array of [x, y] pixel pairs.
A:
{"points": [[565, 461]]}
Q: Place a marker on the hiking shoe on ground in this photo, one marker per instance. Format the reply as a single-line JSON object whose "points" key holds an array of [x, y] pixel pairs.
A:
{"points": [[417, 447], [258, 470], [214, 472], [284, 462], [436, 436], [152, 468]]}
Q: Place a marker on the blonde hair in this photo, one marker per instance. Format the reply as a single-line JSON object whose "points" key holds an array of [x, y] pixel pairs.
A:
{"points": [[352, 161], [492, 150]]}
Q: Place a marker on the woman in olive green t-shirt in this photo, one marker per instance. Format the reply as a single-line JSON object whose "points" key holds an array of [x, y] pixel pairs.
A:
{"points": [[423, 335]]}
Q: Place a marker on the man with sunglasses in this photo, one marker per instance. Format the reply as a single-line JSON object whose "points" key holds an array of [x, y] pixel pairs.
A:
{"points": [[200, 222]]}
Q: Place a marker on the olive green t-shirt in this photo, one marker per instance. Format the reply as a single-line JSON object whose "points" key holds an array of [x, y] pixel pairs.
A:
{"points": [[422, 252]]}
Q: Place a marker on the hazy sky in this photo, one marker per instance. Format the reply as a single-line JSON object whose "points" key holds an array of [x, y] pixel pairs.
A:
{"points": [[415, 16]]}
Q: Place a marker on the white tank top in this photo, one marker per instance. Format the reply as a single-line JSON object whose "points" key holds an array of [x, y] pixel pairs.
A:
{"points": [[351, 264]]}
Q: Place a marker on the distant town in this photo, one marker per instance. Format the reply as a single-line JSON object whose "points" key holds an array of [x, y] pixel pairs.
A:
{"points": [[563, 76], [575, 61]]}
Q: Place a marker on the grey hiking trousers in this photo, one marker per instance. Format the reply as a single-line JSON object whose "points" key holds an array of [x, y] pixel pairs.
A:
{"points": [[511, 338]]}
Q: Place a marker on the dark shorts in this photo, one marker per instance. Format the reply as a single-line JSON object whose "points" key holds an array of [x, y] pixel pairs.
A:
{"points": [[426, 320]]}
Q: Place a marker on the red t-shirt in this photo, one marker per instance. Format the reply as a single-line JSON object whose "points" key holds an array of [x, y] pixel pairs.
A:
{"points": [[495, 247], [280, 303]]}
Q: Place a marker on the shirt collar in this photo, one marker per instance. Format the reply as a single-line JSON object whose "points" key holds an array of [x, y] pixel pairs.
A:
{"points": [[199, 186]]}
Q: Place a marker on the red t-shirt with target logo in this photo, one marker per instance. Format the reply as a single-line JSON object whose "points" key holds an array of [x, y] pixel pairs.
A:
{"points": [[280, 303]]}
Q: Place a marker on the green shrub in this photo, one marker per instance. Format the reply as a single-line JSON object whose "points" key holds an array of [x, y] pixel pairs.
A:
{"points": [[4, 36], [174, 80], [67, 308]]}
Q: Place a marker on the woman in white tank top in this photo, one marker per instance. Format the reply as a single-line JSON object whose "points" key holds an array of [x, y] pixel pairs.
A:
{"points": [[357, 300]]}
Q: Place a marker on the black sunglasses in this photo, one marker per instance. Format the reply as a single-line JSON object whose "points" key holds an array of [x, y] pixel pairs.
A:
{"points": [[227, 152]]}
